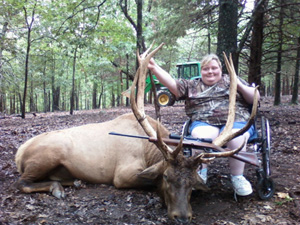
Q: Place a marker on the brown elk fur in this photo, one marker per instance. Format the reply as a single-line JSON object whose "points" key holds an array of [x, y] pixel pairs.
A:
{"points": [[90, 154]]}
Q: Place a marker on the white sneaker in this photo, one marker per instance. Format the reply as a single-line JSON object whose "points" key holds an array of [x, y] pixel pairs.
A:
{"points": [[203, 176], [241, 186]]}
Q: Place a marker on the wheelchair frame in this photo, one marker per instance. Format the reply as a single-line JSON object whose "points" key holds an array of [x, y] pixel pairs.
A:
{"points": [[262, 148]]}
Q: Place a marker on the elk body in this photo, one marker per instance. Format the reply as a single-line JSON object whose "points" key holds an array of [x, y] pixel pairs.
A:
{"points": [[50, 160], [90, 154]]}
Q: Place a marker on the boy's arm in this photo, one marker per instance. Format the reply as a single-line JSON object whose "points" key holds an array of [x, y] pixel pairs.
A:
{"points": [[163, 76]]}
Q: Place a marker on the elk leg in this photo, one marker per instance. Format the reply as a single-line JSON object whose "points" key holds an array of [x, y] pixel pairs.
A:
{"points": [[49, 186], [59, 175], [126, 176]]}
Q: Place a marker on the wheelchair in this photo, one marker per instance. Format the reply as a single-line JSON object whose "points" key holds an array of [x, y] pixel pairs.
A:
{"points": [[259, 144]]}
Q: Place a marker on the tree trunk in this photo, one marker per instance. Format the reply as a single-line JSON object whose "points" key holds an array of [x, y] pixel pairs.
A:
{"points": [[55, 88], [296, 77], [31, 98], [139, 31], [100, 96], [127, 78], [72, 100], [55, 97], [2, 39], [94, 97], [120, 96], [49, 100], [20, 100], [2, 101], [12, 109], [77, 96], [209, 32], [227, 30], [26, 74], [113, 100], [29, 29], [279, 57], [256, 45], [104, 101], [45, 106]]}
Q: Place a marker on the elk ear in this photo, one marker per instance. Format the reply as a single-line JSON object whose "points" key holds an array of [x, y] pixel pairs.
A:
{"points": [[153, 171], [199, 185]]}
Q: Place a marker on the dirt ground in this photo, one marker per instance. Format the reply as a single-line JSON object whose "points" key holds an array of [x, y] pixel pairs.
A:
{"points": [[102, 204]]}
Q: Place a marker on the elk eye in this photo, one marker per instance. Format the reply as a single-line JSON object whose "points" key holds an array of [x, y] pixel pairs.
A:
{"points": [[165, 177]]}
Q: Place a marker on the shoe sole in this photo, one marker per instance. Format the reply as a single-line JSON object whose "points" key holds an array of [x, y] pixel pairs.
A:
{"points": [[243, 193]]}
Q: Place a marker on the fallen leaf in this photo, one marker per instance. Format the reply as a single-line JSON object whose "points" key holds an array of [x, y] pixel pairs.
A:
{"points": [[283, 195]]}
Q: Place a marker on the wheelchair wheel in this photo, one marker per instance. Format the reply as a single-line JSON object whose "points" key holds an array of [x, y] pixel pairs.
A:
{"points": [[265, 188], [265, 145]]}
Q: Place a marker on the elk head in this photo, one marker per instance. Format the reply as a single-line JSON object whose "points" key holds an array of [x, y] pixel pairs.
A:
{"points": [[178, 172]]}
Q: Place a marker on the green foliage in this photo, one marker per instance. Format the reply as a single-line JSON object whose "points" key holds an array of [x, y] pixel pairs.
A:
{"points": [[104, 37]]}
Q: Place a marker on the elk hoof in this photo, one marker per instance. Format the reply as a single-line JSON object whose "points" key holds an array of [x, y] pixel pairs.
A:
{"points": [[57, 190]]}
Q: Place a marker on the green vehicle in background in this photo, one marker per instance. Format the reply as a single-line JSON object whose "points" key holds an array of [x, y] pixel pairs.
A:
{"points": [[188, 70]]}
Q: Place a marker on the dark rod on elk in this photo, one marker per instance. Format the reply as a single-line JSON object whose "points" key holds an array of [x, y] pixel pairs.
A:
{"points": [[246, 157]]}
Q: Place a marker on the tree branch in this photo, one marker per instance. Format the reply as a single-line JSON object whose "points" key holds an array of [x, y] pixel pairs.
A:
{"points": [[131, 76], [125, 11], [249, 27], [75, 13]]}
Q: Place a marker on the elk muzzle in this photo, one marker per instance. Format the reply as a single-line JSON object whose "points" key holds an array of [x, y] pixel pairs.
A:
{"points": [[177, 192]]}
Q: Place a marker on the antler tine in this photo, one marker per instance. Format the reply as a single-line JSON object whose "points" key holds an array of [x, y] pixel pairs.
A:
{"points": [[142, 56], [223, 137], [151, 54], [205, 160], [142, 74], [227, 133], [226, 153], [140, 116], [208, 157], [251, 119], [178, 148], [232, 93]]}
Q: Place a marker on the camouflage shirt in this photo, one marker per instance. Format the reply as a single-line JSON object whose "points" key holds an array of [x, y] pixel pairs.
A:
{"points": [[210, 103]]}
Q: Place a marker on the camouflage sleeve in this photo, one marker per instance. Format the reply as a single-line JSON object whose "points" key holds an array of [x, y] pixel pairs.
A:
{"points": [[182, 87]]}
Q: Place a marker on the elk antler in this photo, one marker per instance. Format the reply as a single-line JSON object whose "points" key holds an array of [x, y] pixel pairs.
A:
{"points": [[137, 104], [227, 134]]}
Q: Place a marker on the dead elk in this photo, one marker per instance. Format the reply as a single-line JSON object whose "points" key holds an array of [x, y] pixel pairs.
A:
{"points": [[89, 153]]}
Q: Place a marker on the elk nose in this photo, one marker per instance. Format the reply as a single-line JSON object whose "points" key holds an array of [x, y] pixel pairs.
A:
{"points": [[182, 219]]}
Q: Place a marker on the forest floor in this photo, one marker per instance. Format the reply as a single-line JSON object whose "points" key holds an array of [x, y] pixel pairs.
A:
{"points": [[102, 204]]}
